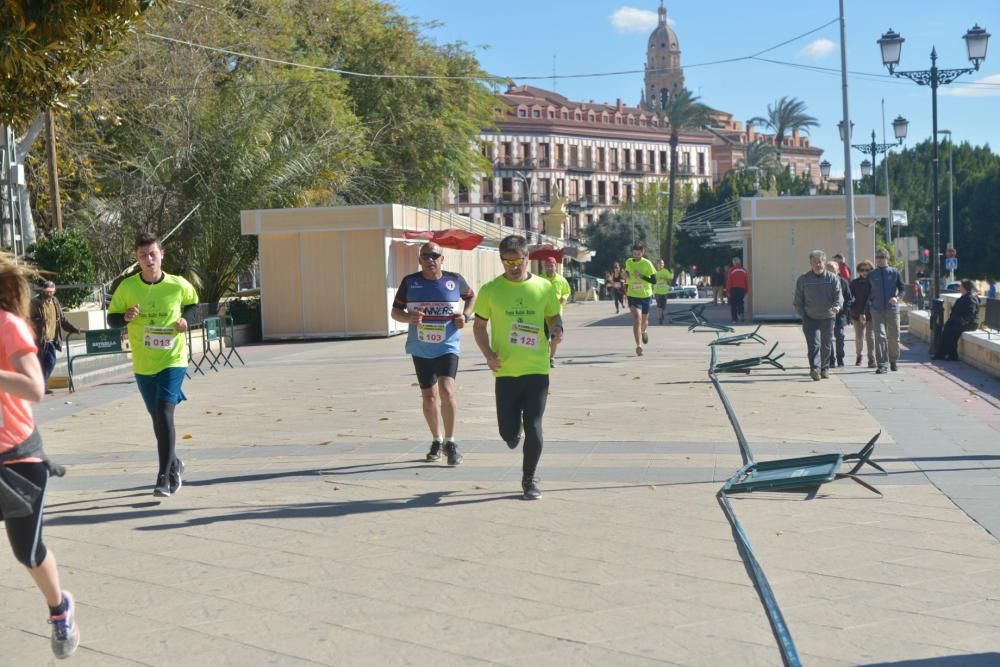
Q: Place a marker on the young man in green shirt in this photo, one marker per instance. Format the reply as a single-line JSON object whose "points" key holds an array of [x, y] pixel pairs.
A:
{"points": [[512, 313], [562, 291], [662, 287], [156, 307], [640, 278]]}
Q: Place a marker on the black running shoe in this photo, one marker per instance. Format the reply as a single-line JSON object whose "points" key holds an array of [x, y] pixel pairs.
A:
{"points": [[162, 488], [454, 456], [175, 477], [530, 487], [435, 452]]}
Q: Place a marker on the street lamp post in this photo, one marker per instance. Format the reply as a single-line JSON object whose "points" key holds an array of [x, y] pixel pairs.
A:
{"points": [[824, 174], [891, 44], [525, 202], [951, 196], [874, 149]]}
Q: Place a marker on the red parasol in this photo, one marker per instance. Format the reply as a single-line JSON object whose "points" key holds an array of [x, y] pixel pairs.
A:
{"points": [[456, 239], [544, 251]]}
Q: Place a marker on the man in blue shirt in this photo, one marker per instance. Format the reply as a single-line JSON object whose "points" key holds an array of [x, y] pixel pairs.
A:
{"points": [[883, 302], [436, 304]]}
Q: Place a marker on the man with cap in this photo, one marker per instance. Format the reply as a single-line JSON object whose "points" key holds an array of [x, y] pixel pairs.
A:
{"points": [[48, 321], [562, 291]]}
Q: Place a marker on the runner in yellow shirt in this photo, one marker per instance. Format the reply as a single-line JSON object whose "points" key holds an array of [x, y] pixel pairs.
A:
{"points": [[512, 313], [639, 274], [662, 287], [155, 307], [563, 291]]}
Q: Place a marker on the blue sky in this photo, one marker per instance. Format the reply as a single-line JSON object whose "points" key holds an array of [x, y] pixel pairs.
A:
{"points": [[588, 36]]}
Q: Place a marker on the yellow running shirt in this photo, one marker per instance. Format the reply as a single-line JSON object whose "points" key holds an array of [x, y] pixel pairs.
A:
{"points": [[663, 278], [637, 287], [156, 345], [517, 313], [562, 287]]}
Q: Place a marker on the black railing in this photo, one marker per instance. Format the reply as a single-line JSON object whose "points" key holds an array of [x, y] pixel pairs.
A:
{"points": [[513, 162], [580, 165]]}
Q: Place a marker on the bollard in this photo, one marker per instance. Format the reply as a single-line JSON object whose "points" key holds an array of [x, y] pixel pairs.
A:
{"points": [[937, 323]]}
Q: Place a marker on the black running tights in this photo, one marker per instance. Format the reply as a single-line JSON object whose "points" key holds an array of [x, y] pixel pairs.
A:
{"points": [[166, 436], [523, 398], [25, 533]]}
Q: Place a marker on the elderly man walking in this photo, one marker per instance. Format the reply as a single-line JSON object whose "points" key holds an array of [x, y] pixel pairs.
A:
{"points": [[883, 301], [818, 299]]}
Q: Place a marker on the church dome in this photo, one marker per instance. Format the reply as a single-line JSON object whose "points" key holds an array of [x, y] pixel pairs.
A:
{"points": [[663, 37]]}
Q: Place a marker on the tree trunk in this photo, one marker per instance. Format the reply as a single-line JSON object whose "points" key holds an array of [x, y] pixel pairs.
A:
{"points": [[668, 252], [28, 236]]}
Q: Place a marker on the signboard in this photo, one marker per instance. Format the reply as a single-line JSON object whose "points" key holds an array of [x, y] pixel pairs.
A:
{"points": [[100, 341], [951, 263], [950, 252], [899, 218], [907, 248]]}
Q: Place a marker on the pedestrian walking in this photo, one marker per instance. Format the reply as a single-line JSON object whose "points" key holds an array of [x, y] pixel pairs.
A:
{"points": [[964, 317], [861, 317], [512, 312], [840, 321], [156, 307], [661, 289], [616, 279], [843, 270], [737, 285], [24, 467], [718, 281], [817, 301], [49, 323], [435, 304], [883, 303], [563, 291], [640, 276]]}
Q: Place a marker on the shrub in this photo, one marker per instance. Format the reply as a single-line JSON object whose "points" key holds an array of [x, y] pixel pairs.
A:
{"points": [[65, 258]]}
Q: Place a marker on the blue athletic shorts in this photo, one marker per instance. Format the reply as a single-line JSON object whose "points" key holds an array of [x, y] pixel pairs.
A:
{"points": [[642, 303], [164, 386]]}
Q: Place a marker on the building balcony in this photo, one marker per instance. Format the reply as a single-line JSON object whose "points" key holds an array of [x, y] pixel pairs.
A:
{"points": [[514, 162], [613, 166], [580, 166], [638, 169], [487, 197], [510, 199]]}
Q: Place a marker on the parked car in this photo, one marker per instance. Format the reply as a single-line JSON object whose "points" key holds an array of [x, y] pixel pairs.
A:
{"points": [[953, 287], [682, 292]]}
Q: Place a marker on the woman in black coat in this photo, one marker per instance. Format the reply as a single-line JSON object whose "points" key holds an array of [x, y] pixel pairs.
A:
{"points": [[963, 318]]}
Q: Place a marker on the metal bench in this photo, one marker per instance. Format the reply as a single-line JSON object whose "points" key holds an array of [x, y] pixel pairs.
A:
{"points": [[99, 342], [745, 365], [739, 339]]}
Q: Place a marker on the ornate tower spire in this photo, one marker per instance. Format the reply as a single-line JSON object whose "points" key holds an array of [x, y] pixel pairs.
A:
{"points": [[664, 75]]}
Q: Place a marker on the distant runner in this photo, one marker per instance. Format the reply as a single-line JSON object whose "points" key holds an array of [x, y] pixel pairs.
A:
{"points": [[436, 304], [156, 307], [662, 287], [512, 311], [563, 291], [640, 275]]}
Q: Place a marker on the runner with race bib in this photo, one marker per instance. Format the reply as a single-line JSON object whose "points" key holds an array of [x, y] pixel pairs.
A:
{"points": [[513, 311], [156, 306], [436, 304]]}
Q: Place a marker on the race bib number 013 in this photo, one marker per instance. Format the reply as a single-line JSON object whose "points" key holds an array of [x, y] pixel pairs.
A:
{"points": [[432, 332], [158, 338], [524, 335]]}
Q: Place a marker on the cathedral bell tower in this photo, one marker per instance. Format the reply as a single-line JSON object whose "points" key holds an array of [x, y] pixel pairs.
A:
{"points": [[664, 75]]}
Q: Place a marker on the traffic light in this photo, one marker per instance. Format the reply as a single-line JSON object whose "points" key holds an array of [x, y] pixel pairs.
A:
{"points": [[927, 254], [694, 269]]}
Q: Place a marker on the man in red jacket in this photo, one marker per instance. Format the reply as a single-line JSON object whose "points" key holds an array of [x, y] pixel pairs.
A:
{"points": [[737, 285], [843, 270]]}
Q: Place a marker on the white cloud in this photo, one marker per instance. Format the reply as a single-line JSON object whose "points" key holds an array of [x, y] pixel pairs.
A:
{"points": [[631, 19], [978, 89], [818, 50]]}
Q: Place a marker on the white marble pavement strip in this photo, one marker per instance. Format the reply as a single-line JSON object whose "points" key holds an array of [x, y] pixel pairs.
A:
{"points": [[627, 560]]}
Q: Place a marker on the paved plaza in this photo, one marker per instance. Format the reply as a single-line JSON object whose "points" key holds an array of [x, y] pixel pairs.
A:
{"points": [[310, 531]]}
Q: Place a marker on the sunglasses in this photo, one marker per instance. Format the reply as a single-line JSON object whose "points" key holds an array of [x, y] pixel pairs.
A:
{"points": [[512, 262], [430, 255]]}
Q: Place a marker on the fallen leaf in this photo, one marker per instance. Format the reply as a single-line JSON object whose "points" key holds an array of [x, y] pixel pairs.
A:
{"points": [[186, 436], [325, 443], [383, 419]]}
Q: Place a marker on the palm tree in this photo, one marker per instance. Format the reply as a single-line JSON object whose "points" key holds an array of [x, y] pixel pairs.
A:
{"points": [[682, 112], [786, 115]]}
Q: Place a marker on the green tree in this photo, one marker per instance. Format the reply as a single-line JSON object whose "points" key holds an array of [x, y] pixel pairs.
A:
{"points": [[47, 46], [683, 112], [786, 115], [65, 258]]}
